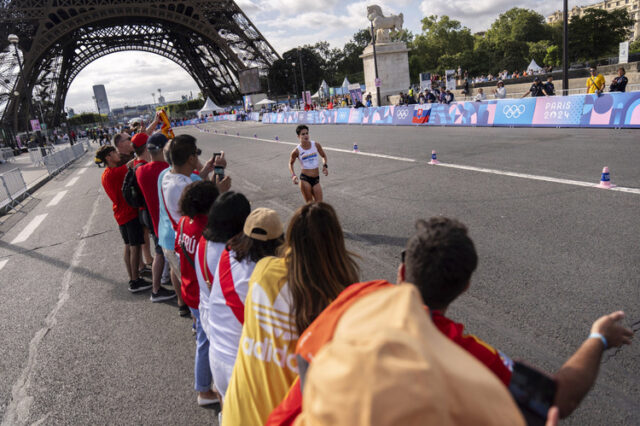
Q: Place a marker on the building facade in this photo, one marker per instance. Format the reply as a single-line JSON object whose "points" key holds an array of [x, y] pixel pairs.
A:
{"points": [[632, 6], [100, 94]]}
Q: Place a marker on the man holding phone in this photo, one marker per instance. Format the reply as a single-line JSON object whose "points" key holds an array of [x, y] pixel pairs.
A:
{"points": [[440, 259]]}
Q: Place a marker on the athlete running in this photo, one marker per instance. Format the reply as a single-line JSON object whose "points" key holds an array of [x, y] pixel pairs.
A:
{"points": [[307, 152]]}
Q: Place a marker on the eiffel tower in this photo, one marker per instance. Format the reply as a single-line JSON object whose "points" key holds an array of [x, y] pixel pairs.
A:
{"points": [[212, 40]]}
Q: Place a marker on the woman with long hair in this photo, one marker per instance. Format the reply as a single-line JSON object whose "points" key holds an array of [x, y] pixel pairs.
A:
{"points": [[285, 295]]}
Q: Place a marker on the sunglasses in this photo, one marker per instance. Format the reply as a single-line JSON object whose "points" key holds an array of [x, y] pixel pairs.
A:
{"points": [[198, 152], [403, 253]]}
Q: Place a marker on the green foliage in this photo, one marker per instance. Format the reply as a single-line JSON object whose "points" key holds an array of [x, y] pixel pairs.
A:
{"points": [[538, 50], [597, 33], [553, 57], [178, 110], [87, 118], [634, 47]]}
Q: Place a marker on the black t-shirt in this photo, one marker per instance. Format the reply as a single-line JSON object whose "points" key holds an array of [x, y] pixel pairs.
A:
{"points": [[536, 90], [549, 88], [620, 85]]}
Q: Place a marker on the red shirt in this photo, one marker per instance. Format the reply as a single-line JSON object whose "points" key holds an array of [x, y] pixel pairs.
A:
{"points": [[189, 236], [139, 161], [112, 180], [147, 176]]}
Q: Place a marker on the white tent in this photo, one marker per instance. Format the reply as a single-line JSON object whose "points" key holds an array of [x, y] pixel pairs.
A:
{"points": [[533, 66], [316, 95], [324, 89], [345, 86], [265, 102], [208, 108]]}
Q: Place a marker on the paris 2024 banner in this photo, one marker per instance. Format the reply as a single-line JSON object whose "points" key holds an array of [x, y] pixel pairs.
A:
{"points": [[607, 110]]}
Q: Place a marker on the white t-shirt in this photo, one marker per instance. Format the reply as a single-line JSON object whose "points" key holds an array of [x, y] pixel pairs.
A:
{"points": [[214, 250], [172, 186], [226, 321]]}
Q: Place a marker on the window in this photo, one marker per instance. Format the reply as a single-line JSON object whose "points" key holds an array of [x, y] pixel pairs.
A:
{"points": [[617, 3]]}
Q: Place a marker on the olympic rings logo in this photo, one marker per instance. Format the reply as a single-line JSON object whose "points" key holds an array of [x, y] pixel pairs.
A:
{"points": [[403, 113], [513, 111]]}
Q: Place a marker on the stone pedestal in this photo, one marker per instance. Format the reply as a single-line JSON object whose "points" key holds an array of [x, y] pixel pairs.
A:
{"points": [[393, 69]]}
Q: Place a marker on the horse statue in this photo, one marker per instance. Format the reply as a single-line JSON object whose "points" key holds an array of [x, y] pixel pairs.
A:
{"points": [[383, 24]]}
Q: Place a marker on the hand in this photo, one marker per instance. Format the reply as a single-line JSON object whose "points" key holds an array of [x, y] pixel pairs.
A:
{"points": [[615, 333], [295, 179], [157, 119], [223, 185], [220, 160], [552, 416], [325, 171]]}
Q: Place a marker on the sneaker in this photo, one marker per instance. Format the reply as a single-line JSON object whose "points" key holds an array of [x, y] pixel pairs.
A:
{"points": [[166, 283], [206, 401], [162, 294], [146, 271], [184, 311], [139, 285]]}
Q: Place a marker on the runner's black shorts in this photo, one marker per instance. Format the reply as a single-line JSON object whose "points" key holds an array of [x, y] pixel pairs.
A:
{"points": [[313, 181], [132, 233]]}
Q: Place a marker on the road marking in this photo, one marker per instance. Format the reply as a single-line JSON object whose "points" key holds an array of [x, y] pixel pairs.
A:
{"points": [[460, 166], [81, 171], [56, 199], [90, 163], [28, 230], [18, 410], [72, 182], [2, 263]]}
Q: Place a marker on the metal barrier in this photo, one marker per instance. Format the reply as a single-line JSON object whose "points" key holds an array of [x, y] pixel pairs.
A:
{"points": [[60, 159], [13, 187], [36, 156], [6, 154]]}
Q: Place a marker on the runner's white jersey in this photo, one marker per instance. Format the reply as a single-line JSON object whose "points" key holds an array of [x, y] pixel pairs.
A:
{"points": [[308, 157]]}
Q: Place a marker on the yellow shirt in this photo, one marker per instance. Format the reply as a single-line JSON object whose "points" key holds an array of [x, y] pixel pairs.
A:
{"points": [[266, 364], [594, 84]]}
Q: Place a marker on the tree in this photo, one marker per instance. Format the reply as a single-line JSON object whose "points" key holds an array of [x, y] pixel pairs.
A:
{"points": [[634, 47], [553, 56], [518, 24], [86, 118], [538, 50], [597, 33]]}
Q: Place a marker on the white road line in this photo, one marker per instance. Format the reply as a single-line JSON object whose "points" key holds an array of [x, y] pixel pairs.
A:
{"points": [[72, 182], [19, 408], [90, 163], [28, 230], [56, 199], [81, 171], [2, 263], [461, 167]]}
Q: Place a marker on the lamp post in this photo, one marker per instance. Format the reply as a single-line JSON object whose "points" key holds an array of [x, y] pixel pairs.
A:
{"points": [[13, 39], [565, 48], [295, 84], [375, 63], [304, 88]]}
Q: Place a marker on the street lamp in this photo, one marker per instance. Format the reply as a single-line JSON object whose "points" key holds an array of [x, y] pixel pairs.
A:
{"points": [[304, 88], [565, 48], [14, 39], [295, 83], [375, 62]]}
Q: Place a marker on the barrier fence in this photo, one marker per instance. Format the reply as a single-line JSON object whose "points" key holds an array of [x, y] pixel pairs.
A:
{"points": [[13, 185], [6, 154], [609, 110]]}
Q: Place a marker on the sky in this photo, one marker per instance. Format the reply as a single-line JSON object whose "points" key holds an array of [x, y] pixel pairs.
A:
{"points": [[285, 24]]}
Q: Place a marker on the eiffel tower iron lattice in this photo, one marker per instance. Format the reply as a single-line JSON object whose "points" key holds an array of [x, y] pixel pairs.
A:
{"points": [[212, 40]]}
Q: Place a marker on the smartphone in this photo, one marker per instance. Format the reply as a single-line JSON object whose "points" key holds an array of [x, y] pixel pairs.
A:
{"points": [[217, 170], [533, 391]]}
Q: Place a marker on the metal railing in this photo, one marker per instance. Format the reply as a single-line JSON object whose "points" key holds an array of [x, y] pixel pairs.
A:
{"points": [[12, 187], [6, 154]]}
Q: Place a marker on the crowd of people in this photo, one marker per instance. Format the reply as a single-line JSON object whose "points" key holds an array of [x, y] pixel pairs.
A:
{"points": [[285, 329]]}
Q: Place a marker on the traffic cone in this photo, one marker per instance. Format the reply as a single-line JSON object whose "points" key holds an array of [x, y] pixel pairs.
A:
{"points": [[355, 147], [277, 138], [605, 179], [255, 136], [434, 158]]}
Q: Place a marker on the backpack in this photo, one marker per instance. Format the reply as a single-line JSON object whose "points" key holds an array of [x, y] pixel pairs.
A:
{"points": [[130, 189]]}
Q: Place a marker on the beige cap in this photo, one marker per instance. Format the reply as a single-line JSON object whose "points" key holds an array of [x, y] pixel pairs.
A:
{"points": [[388, 365], [263, 224]]}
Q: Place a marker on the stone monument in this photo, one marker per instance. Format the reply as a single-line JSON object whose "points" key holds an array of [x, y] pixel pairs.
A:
{"points": [[392, 58]]}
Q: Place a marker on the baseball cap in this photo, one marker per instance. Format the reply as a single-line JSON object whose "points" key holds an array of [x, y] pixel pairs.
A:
{"points": [[139, 139], [387, 364], [263, 224], [156, 142]]}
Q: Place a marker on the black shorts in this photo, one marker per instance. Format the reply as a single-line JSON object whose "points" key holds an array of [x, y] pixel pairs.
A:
{"points": [[132, 233], [313, 181]]}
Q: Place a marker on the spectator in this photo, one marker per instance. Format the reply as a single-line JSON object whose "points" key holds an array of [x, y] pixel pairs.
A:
{"points": [[549, 88], [500, 91], [195, 202], [261, 236], [536, 89], [139, 142], [431, 98], [122, 142], [595, 82], [465, 89], [480, 96], [440, 260], [386, 364], [147, 176], [619, 84], [171, 182], [368, 100], [448, 97], [125, 215], [288, 293]]}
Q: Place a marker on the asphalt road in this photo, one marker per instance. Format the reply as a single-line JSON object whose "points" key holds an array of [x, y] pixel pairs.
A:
{"points": [[79, 348]]}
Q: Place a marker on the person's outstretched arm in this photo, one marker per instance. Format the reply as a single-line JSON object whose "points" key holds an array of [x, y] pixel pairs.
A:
{"points": [[576, 377], [149, 130], [292, 160]]}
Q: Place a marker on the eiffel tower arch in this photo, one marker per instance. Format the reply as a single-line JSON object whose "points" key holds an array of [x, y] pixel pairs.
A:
{"points": [[212, 40]]}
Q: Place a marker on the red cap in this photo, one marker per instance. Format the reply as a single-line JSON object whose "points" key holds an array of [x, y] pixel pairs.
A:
{"points": [[139, 139]]}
